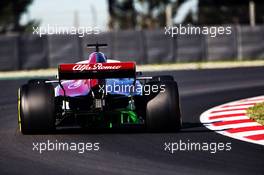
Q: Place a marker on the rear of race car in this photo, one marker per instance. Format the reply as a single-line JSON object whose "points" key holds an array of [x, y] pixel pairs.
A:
{"points": [[99, 95]]}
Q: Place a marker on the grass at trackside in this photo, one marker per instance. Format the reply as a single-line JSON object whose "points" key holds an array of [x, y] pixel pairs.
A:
{"points": [[257, 113], [51, 72]]}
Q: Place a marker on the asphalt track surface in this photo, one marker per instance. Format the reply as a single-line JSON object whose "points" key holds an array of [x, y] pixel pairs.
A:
{"points": [[141, 153]]}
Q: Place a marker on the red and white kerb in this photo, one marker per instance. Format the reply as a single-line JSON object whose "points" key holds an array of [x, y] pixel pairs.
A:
{"points": [[230, 119]]}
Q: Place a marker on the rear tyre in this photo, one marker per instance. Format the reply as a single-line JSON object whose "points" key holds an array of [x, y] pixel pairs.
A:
{"points": [[36, 109], [163, 111]]}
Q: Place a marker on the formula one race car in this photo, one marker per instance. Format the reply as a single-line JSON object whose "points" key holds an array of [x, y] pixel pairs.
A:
{"points": [[99, 93]]}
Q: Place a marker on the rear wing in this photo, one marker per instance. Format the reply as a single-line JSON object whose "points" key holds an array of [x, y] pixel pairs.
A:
{"points": [[97, 71]]}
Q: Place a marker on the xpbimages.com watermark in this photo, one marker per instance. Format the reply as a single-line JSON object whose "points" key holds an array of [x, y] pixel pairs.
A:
{"points": [[80, 147], [64, 30], [188, 146], [146, 89], [211, 31]]}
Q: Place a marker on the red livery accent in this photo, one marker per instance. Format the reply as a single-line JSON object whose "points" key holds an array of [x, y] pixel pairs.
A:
{"points": [[97, 70], [96, 67]]}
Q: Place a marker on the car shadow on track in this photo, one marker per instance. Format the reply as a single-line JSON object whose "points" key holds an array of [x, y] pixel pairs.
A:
{"points": [[187, 127]]}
